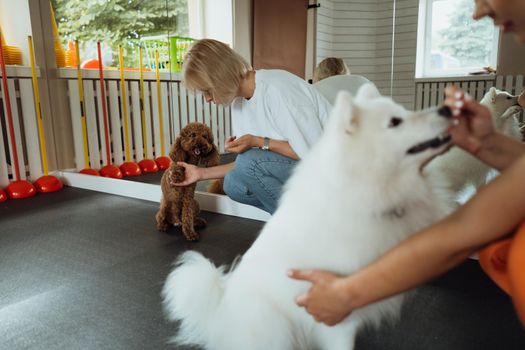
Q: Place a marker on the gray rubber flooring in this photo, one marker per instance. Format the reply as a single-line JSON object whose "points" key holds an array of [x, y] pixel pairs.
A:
{"points": [[84, 270]]}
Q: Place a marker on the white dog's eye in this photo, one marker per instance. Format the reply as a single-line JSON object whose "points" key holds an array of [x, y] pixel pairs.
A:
{"points": [[395, 121]]}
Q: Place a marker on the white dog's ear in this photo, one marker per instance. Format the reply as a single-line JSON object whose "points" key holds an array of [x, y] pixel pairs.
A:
{"points": [[493, 92], [367, 91], [345, 111]]}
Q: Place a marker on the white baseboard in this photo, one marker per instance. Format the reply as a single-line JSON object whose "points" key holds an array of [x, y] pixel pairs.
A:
{"points": [[208, 201]]}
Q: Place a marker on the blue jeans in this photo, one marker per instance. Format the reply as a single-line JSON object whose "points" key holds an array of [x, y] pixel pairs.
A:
{"points": [[258, 178]]}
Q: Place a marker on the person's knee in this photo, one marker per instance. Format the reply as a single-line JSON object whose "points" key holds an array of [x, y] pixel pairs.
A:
{"points": [[233, 185], [246, 163], [227, 186]]}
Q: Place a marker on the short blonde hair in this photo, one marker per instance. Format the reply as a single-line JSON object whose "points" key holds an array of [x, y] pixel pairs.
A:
{"points": [[328, 67], [213, 67]]}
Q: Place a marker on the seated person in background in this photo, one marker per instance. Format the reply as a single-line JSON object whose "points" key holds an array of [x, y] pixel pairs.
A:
{"points": [[328, 67], [332, 75], [276, 118]]}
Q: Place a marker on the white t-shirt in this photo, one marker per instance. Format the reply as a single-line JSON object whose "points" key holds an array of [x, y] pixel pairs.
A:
{"points": [[283, 107]]}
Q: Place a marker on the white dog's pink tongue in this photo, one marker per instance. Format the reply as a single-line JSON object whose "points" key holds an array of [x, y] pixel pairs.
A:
{"points": [[197, 151]]}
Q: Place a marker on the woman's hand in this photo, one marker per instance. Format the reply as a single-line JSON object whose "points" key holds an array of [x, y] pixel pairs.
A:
{"points": [[184, 174], [242, 144], [229, 142], [327, 300], [473, 124]]}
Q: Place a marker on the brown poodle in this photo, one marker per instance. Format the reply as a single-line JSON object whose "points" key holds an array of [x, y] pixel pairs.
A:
{"points": [[177, 206]]}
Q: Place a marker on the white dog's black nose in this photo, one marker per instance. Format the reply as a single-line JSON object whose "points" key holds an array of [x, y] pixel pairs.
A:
{"points": [[445, 111]]}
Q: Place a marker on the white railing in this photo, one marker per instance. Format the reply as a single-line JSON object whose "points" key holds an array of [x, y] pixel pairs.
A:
{"points": [[179, 107], [431, 92]]}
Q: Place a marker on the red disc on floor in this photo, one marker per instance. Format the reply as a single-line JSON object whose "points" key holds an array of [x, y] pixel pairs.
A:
{"points": [[89, 171], [48, 184], [148, 166], [163, 162], [111, 171], [20, 189], [130, 169], [3, 196]]}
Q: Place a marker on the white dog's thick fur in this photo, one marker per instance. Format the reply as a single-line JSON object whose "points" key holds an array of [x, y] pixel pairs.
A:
{"points": [[359, 192], [465, 172]]}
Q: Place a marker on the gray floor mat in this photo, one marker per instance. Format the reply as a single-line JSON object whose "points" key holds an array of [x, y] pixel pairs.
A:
{"points": [[84, 270]]}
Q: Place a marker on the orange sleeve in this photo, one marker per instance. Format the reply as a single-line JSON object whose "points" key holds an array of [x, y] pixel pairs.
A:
{"points": [[504, 263]]}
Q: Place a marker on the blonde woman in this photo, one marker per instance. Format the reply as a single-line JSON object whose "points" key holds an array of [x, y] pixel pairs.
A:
{"points": [[328, 67], [276, 118]]}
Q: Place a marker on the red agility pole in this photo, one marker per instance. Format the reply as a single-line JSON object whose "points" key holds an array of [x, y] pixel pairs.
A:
{"points": [[108, 170], [17, 188]]}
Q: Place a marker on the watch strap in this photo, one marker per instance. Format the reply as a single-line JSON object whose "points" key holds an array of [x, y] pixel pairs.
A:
{"points": [[266, 144]]}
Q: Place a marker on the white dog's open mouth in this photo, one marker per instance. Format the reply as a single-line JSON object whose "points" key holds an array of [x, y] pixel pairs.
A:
{"points": [[438, 141]]}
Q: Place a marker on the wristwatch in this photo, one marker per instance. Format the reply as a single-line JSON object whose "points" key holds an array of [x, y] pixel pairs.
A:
{"points": [[266, 144]]}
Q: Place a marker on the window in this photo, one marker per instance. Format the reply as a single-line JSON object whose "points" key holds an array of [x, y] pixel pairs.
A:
{"points": [[126, 23], [450, 42], [160, 25]]}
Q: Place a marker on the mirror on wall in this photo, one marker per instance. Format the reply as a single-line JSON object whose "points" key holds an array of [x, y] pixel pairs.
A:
{"points": [[411, 46]]}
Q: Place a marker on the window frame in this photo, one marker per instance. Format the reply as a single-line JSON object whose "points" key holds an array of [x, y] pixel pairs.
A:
{"points": [[424, 47]]}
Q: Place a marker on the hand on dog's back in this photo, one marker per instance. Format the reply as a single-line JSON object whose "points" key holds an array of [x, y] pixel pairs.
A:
{"points": [[184, 174]]}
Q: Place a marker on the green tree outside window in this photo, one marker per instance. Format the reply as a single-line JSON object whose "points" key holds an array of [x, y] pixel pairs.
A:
{"points": [[129, 23]]}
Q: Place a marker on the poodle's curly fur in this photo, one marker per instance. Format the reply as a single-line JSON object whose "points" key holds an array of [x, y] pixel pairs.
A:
{"points": [[195, 146]]}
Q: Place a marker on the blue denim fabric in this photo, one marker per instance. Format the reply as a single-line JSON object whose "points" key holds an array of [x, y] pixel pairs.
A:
{"points": [[258, 178]]}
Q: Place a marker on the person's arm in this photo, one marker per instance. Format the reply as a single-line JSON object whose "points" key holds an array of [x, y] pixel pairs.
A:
{"points": [[278, 146], [500, 151], [475, 133], [193, 173], [489, 215], [248, 141]]}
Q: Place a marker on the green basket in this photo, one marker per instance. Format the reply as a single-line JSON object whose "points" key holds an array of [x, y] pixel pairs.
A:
{"points": [[150, 46], [178, 47]]}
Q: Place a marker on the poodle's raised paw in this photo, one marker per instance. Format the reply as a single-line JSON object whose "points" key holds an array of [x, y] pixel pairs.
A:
{"points": [[176, 174]]}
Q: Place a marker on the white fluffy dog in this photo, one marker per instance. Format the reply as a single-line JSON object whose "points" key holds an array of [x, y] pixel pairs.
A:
{"points": [[360, 191]]}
